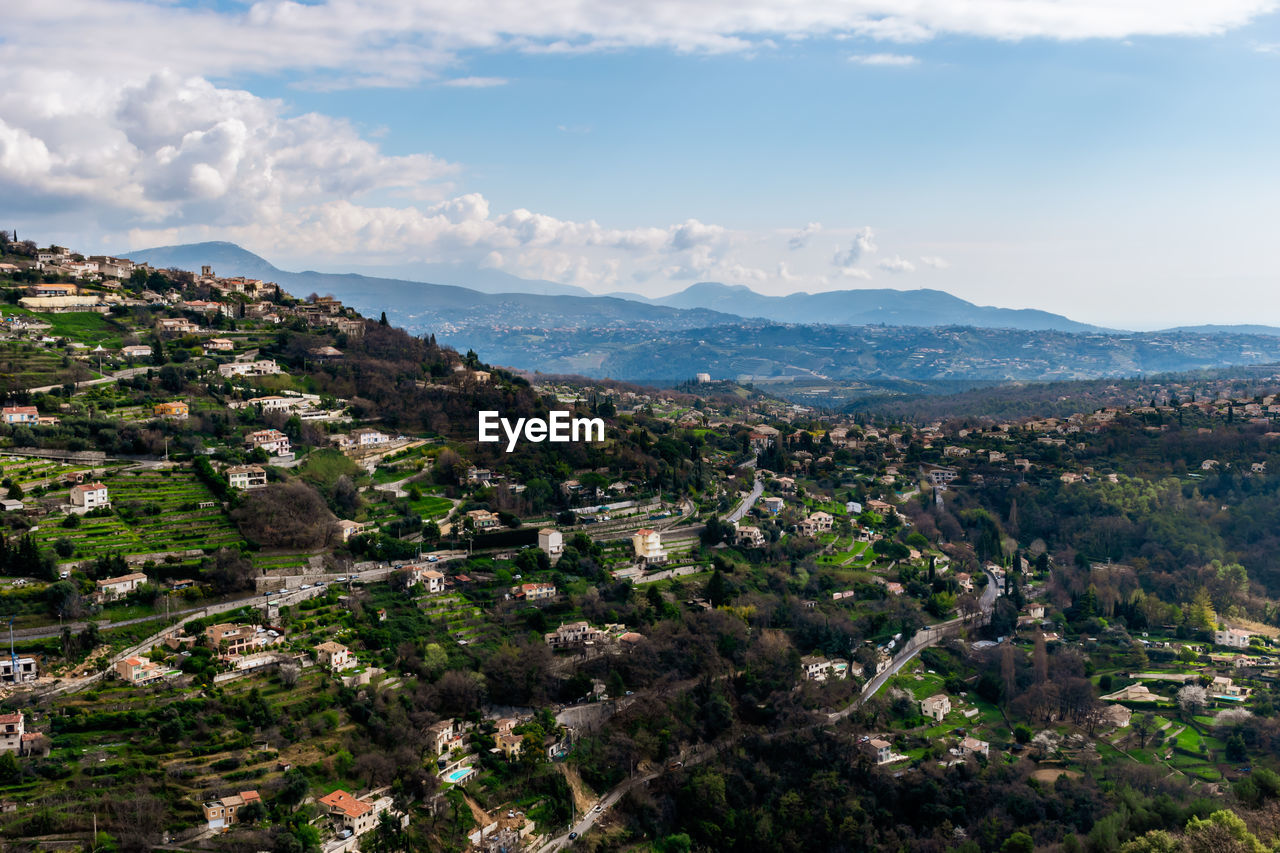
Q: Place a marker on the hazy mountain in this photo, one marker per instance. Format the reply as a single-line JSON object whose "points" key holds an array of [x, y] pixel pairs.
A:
{"points": [[230, 259], [866, 307], [423, 306], [1242, 329]]}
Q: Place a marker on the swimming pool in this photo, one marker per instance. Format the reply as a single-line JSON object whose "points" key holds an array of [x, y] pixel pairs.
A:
{"points": [[455, 776]]}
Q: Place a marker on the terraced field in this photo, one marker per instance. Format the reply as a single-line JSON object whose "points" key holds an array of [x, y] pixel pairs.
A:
{"points": [[28, 472], [27, 365], [166, 516]]}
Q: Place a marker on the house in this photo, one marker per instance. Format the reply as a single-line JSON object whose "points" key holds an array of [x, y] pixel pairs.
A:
{"points": [[247, 477], [347, 529], [551, 543], [941, 476], [534, 591], [442, 735], [262, 367], [482, 519], [20, 415], [880, 750], [232, 640], [773, 505], [335, 656], [175, 409], [973, 746], [90, 496], [357, 815], [110, 589], [178, 326], [964, 581], [510, 745], [1258, 468], [325, 353], [12, 727], [1236, 638], [366, 437], [430, 578], [816, 523], [647, 544], [271, 440], [786, 484], [219, 814], [219, 344], [139, 671], [26, 669], [573, 634], [54, 290], [818, 668], [936, 707], [1208, 464], [750, 537], [762, 437], [136, 351]]}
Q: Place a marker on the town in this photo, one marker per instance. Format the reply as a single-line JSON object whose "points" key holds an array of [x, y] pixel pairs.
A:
{"points": [[266, 585]]}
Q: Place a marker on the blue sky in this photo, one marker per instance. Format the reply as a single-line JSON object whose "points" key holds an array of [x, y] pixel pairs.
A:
{"points": [[1071, 157]]}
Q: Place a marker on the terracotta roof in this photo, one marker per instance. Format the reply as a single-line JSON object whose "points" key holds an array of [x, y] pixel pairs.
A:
{"points": [[343, 802]]}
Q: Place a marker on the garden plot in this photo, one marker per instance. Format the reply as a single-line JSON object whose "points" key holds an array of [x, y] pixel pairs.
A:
{"points": [[153, 512], [29, 472]]}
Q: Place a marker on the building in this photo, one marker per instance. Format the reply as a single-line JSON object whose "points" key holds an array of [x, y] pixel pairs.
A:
{"points": [[175, 409], [335, 656], [936, 707], [26, 670], [12, 727], [551, 543], [219, 814], [110, 589], [534, 591], [357, 815], [941, 476], [139, 671], [366, 437], [647, 544], [219, 344], [773, 505], [347, 529], [573, 634], [881, 751], [20, 415], [973, 746], [232, 640], [428, 577], [273, 441], [482, 519], [818, 522], [1236, 638], [136, 351], [510, 745], [247, 477], [90, 496], [442, 735], [818, 668], [262, 367], [750, 537], [178, 325]]}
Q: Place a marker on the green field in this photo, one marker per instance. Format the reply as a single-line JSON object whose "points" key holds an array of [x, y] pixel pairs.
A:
{"points": [[165, 517]]}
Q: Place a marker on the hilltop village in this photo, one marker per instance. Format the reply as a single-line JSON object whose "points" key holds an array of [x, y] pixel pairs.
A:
{"points": [[268, 592]]}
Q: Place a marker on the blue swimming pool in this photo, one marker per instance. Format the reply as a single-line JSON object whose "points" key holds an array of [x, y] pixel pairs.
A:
{"points": [[455, 776]]}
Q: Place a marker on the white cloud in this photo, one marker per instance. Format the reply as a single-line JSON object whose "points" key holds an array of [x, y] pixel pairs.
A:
{"points": [[935, 262], [475, 82], [899, 60], [801, 238], [863, 244], [897, 265]]}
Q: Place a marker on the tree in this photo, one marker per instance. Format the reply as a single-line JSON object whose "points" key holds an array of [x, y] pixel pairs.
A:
{"points": [[1019, 842], [1143, 725], [1192, 700]]}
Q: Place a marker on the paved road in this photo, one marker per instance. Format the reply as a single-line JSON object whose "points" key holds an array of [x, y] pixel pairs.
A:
{"points": [[749, 501]]}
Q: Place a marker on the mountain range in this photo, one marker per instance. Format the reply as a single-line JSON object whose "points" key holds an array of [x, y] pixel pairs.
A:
{"points": [[412, 298]]}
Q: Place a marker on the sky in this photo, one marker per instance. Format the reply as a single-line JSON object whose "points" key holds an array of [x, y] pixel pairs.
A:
{"points": [[1111, 160]]}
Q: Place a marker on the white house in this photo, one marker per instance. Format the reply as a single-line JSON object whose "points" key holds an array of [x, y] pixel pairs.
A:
{"points": [[647, 545], [271, 440], [551, 542], [247, 477], [936, 707], [90, 496], [1236, 638]]}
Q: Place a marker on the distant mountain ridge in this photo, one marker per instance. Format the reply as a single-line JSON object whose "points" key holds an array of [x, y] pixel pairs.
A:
{"points": [[710, 302], [867, 307], [423, 306]]}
